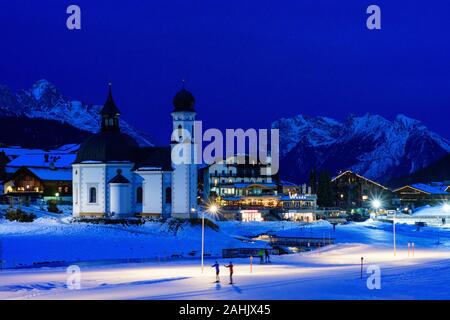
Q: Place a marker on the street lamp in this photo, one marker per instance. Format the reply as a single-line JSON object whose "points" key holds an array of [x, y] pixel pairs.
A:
{"points": [[376, 204], [213, 209]]}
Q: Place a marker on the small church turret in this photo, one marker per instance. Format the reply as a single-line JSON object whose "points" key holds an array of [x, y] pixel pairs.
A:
{"points": [[110, 114]]}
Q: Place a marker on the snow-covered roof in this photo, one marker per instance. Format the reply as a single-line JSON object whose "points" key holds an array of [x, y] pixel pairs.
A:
{"points": [[49, 174], [59, 160], [14, 152], [439, 190], [359, 176], [285, 183], [69, 148]]}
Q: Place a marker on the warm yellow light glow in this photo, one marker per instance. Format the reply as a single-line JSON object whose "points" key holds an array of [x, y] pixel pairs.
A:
{"points": [[213, 209]]}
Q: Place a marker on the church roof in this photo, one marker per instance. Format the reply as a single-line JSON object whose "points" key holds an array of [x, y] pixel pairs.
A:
{"points": [[183, 101], [108, 146], [119, 178], [153, 158], [111, 145]]}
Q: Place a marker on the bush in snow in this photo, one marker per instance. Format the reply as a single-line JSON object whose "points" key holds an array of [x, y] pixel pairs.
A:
{"points": [[52, 207], [175, 225], [356, 217], [19, 215], [208, 223]]}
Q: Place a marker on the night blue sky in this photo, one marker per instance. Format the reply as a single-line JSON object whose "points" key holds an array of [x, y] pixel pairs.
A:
{"points": [[247, 62]]}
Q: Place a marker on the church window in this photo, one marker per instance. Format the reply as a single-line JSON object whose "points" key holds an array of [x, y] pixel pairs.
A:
{"points": [[180, 132], [168, 195], [92, 195], [139, 195]]}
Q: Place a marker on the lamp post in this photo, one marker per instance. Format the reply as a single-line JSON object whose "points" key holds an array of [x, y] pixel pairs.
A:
{"points": [[395, 242], [212, 209], [203, 236]]}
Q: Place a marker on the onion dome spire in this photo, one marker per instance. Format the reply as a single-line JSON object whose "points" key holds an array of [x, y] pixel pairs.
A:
{"points": [[183, 100]]}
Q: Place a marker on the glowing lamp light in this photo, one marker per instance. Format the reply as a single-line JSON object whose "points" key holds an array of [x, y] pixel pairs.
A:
{"points": [[376, 204], [213, 209], [57, 194], [446, 207]]}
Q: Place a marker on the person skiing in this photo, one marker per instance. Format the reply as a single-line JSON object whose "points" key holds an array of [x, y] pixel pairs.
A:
{"points": [[230, 266], [261, 256], [216, 265], [266, 253]]}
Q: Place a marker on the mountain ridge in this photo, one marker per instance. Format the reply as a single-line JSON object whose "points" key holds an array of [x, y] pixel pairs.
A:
{"points": [[44, 101], [370, 145]]}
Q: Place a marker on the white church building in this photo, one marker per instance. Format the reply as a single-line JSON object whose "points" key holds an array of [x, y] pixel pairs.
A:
{"points": [[114, 177]]}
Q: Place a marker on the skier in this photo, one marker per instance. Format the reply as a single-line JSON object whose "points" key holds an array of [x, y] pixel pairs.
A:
{"points": [[216, 265], [261, 256], [266, 253], [230, 266]]}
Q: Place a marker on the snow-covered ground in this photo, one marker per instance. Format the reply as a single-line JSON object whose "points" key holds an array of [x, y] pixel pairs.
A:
{"points": [[136, 262], [332, 273], [56, 239]]}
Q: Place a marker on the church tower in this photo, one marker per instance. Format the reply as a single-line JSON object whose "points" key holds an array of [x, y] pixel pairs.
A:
{"points": [[110, 114], [184, 177]]}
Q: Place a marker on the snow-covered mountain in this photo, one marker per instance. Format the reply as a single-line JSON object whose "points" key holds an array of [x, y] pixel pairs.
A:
{"points": [[44, 101], [369, 145]]}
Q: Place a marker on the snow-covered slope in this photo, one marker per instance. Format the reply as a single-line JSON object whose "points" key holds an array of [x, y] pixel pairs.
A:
{"points": [[370, 145], [44, 101]]}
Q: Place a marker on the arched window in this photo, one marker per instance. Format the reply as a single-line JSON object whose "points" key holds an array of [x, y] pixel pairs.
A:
{"points": [[168, 195], [180, 132], [139, 195], [92, 195]]}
